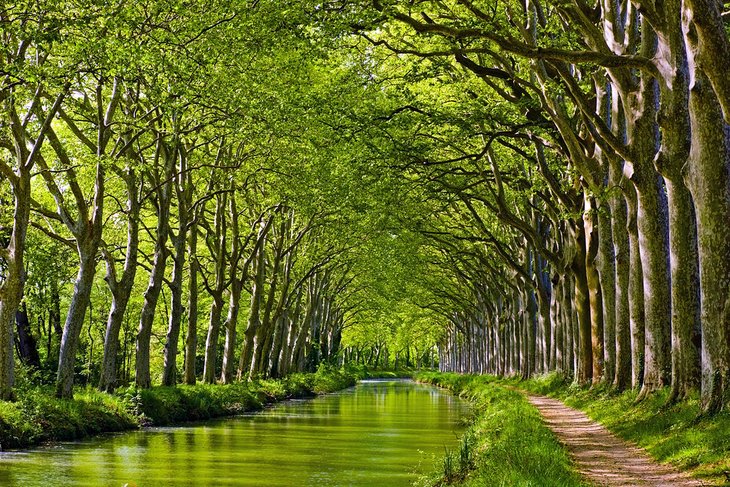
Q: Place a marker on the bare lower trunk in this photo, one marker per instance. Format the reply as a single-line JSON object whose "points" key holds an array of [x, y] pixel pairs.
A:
{"points": [[636, 294], [75, 321], [595, 296], [27, 345], [211, 341], [169, 369], [709, 181], [229, 369], [654, 258], [7, 361], [121, 290], [108, 378], [581, 299], [191, 338], [685, 303], [622, 376], [605, 264], [147, 316]]}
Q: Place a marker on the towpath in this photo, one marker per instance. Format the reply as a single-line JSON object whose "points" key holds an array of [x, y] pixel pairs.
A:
{"points": [[602, 457]]}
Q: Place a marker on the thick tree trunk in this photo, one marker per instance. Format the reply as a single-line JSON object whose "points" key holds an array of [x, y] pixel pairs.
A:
{"points": [[228, 373], [636, 293], [621, 251], [108, 376], [654, 258], [169, 368], [11, 287], [147, 315], [218, 250], [75, 319], [582, 304], [708, 178], [685, 303], [595, 296], [254, 315]]}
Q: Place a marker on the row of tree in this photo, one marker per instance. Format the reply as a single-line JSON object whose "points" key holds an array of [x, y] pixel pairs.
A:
{"points": [[539, 185], [146, 138], [581, 156]]}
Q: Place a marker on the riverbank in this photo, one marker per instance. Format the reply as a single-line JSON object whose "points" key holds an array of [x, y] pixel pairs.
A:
{"points": [[506, 442], [677, 434], [39, 417]]}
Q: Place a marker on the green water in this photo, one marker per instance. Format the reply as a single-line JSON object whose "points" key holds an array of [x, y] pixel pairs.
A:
{"points": [[379, 433]]}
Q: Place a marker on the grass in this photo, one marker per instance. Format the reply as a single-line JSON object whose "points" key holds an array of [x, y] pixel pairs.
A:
{"points": [[678, 434], [38, 416], [364, 372], [506, 443]]}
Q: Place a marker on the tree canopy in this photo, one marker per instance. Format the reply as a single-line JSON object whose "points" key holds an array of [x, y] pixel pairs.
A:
{"points": [[226, 190]]}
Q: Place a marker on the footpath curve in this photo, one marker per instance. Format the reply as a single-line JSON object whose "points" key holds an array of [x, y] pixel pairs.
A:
{"points": [[600, 456]]}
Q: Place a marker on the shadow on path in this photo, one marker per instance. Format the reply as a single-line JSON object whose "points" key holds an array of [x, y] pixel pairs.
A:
{"points": [[601, 456]]}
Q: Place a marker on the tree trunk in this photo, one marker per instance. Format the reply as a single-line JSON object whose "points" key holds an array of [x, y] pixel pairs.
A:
{"points": [[191, 338], [709, 182], [636, 294], [169, 368], [121, 291], [654, 258], [582, 302], [254, 315], [75, 319], [218, 250], [147, 315], [595, 296], [621, 251], [27, 345], [605, 265]]}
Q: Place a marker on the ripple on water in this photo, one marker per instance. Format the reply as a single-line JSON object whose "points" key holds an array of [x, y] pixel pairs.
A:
{"points": [[379, 433]]}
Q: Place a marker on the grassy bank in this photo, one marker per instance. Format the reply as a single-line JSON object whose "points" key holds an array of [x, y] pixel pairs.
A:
{"points": [[506, 443], [38, 417], [678, 433], [365, 372]]}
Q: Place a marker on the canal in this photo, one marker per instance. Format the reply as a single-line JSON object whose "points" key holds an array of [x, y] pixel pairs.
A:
{"points": [[378, 433]]}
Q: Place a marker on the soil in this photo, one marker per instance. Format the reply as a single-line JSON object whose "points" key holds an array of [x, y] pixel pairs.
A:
{"points": [[600, 456]]}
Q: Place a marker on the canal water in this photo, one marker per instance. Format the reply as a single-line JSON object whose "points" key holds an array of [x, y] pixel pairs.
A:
{"points": [[378, 433]]}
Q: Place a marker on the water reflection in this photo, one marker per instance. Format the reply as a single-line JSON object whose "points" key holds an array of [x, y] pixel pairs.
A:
{"points": [[378, 433]]}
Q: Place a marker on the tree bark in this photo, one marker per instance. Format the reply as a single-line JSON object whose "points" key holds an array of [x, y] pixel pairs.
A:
{"points": [[708, 179]]}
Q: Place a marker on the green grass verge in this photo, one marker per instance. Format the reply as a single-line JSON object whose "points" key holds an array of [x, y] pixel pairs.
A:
{"points": [[506, 443], [365, 372], [38, 417], [678, 434]]}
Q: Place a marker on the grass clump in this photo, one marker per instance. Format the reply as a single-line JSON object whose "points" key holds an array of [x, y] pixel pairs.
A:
{"points": [[676, 433], [506, 443]]}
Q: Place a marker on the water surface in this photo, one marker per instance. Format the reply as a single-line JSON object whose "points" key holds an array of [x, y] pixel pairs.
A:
{"points": [[379, 433]]}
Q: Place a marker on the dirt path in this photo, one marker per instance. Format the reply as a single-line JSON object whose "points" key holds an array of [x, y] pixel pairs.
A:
{"points": [[601, 456]]}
